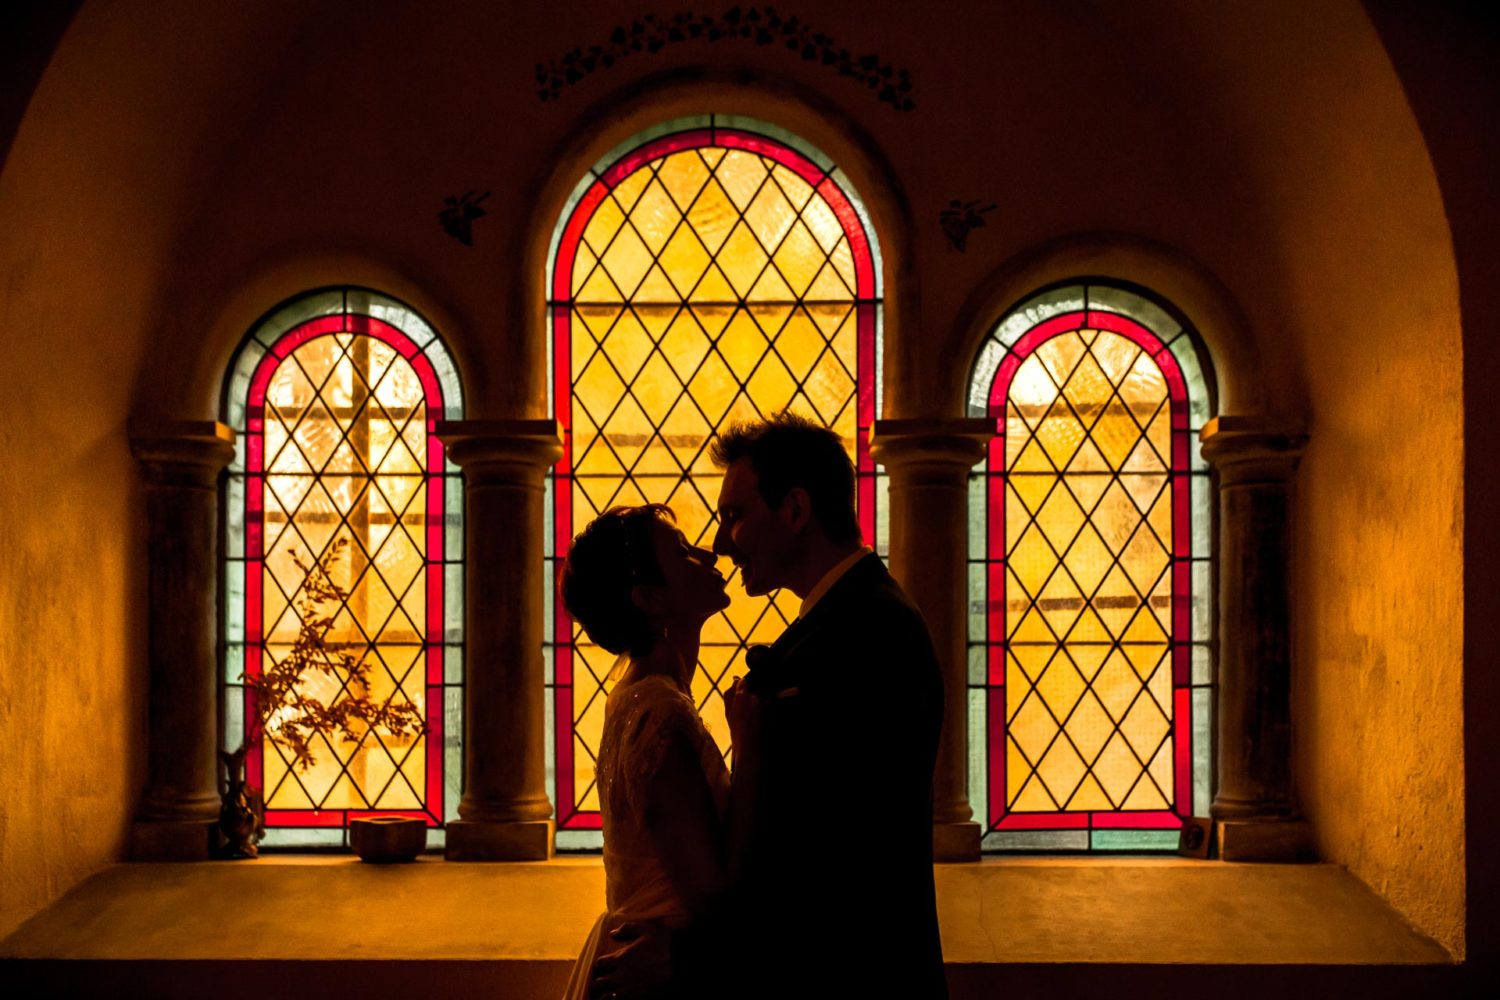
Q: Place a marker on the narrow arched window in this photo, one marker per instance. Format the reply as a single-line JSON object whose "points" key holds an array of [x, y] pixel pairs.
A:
{"points": [[713, 271], [344, 541], [1090, 668]]}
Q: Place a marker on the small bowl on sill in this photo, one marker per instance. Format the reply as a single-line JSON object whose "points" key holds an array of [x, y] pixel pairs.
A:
{"points": [[384, 840]]}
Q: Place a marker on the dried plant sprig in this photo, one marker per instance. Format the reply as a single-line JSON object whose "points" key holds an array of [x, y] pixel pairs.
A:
{"points": [[293, 719]]}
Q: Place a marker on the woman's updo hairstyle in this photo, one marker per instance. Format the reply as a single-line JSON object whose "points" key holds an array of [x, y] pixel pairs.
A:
{"points": [[608, 559]]}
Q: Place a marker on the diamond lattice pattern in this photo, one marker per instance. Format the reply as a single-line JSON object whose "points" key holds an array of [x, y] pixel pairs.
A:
{"points": [[710, 286], [345, 446], [1088, 590]]}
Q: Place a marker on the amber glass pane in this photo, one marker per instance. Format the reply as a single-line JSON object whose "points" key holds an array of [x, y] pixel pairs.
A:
{"points": [[345, 447], [1088, 593], [711, 286]]}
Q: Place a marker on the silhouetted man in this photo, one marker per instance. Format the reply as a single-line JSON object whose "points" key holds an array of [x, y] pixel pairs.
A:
{"points": [[836, 896]]}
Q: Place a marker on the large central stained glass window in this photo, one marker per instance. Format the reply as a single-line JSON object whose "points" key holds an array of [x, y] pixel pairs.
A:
{"points": [[344, 525], [1090, 669], [704, 274]]}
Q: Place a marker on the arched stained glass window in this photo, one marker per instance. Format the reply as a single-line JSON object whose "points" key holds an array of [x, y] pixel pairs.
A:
{"points": [[333, 398], [705, 273], [1090, 669]]}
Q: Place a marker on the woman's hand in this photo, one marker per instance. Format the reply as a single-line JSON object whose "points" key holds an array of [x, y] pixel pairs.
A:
{"points": [[742, 711]]}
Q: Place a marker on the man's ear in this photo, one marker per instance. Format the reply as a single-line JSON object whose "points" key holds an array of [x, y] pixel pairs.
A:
{"points": [[796, 507]]}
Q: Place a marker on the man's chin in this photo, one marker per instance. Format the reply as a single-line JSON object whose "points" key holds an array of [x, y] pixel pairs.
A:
{"points": [[754, 588]]}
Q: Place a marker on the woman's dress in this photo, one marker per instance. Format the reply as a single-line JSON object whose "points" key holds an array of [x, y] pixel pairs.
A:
{"points": [[641, 719]]}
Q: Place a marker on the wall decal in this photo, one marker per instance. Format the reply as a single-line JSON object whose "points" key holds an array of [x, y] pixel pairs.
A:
{"points": [[961, 218], [458, 215], [762, 25]]}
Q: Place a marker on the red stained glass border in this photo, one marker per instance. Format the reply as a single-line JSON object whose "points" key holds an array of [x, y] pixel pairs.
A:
{"points": [[1179, 476], [562, 394], [254, 560]]}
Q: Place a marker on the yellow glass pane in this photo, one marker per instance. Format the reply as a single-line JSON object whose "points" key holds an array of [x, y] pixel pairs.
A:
{"points": [[656, 389], [1089, 797], [828, 286], [741, 174], [1117, 769], [627, 260], [799, 259], [628, 190], [1032, 560], [1061, 770], [742, 345], [683, 176], [1089, 392], [829, 386], [714, 388], [684, 344], [1145, 560], [712, 216], [603, 225], [1017, 772], [1033, 728], [1060, 603], [741, 259], [771, 386], [1089, 727], [843, 262], [823, 224], [654, 216], [584, 263], [1032, 391], [1060, 356], [1144, 389], [684, 260], [1060, 434], [1060, 687], [656, 288], [627, 345], [1114, 353], [799, 343]]}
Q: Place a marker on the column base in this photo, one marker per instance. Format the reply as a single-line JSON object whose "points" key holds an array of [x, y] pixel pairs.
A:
{"points": [[1265, 840], [471, 840], [955, 841], [173, 840]]}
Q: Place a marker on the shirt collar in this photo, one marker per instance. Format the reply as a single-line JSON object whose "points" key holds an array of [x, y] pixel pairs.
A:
{"points": [[830, 578]]}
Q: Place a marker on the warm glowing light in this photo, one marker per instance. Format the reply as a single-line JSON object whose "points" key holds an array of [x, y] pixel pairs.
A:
{"points": [[709, 277]]}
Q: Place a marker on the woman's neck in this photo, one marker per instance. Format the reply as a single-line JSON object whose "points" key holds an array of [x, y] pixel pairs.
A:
{"points": [[674, 655]]}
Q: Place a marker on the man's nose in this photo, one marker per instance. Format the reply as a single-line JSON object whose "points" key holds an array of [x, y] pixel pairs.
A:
{"points": [[722, 544]]}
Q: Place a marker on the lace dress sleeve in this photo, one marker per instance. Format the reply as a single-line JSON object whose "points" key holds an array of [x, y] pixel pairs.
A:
{"points": [[654, 714]]}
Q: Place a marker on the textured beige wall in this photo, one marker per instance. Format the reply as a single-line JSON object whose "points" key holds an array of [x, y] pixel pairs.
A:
{"points": [[91, 199], [186, 166]]}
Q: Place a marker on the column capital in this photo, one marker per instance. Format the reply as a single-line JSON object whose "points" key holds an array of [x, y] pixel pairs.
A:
{"points": [[501, 448], [1252, 449], [958, 442], [183, 452]]}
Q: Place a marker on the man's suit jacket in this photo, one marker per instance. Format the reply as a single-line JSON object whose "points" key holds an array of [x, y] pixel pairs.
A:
{"points": [[838, 874]]}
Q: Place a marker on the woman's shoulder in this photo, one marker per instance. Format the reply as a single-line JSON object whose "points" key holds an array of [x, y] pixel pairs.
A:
{"points": [[652, 702]]}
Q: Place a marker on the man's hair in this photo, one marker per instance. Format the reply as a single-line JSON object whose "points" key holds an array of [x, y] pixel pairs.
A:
{"points": [[607, 560], [786, 450]]}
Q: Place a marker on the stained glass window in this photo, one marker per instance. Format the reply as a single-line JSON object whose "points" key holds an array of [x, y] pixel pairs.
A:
{"points": [[334, 397], [1090, 666], [704, 274]]}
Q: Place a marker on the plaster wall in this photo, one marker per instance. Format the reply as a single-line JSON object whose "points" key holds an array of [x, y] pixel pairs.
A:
{"points": [[1368, 294], [159, 205], [92, 195]]}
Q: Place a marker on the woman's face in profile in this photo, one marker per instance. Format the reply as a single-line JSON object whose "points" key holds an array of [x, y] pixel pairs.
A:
{"points": [[694, 589]]}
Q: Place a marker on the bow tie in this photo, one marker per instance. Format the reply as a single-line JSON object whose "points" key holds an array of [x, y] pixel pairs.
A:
{"points": [[769, 672]]}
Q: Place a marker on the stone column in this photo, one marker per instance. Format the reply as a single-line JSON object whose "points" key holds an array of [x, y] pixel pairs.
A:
{"points": [[181, 462], [505, 814], [1255, 808], [929, 462]]}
